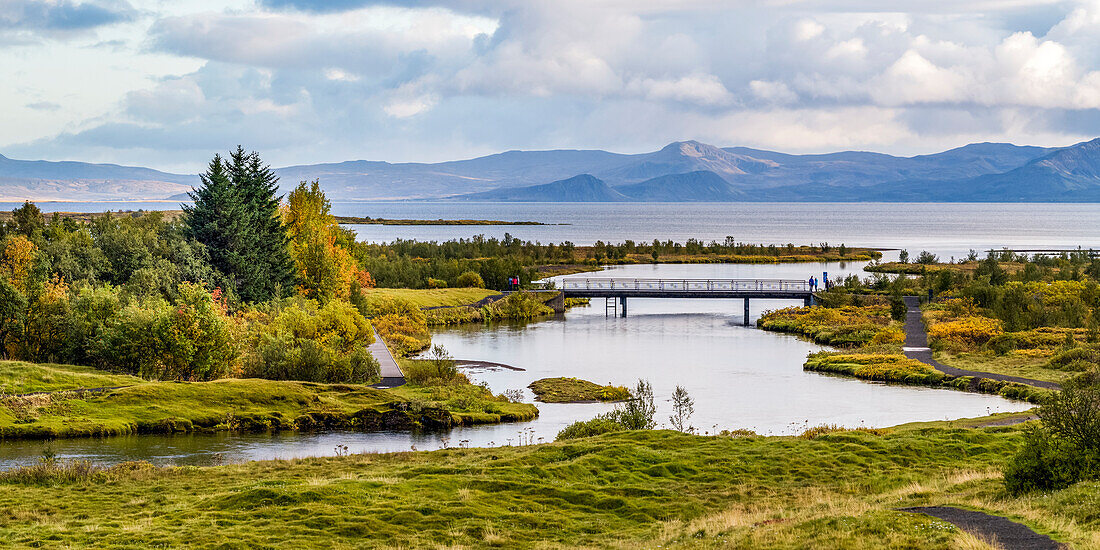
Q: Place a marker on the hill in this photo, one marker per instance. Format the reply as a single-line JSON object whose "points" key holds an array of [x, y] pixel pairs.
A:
{"points": [[699, 186], [582, 188], [975, 172], [69, 181]]}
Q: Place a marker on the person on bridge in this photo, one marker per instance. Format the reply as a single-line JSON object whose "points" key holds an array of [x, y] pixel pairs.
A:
{"points": [[811, 283]]}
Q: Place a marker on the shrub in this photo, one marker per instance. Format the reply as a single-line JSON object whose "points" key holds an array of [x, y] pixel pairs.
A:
{"points": [[297, 339], [436, 283], [189, 339], [438, 369], [1066, 448], [469, 279], [1075, 359], [404, 335], [589, 428], [966, 332], [838, 326], [518, 305]]}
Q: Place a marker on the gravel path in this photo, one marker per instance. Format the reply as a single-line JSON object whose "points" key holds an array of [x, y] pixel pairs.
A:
{"points": [[916, 347], [1006, 533]]}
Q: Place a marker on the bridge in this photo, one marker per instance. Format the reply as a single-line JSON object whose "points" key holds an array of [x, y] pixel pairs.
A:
{"points": [[615, 291]]}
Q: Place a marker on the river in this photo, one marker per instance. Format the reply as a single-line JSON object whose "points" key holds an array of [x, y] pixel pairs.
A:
{"points": [[739, 377]]}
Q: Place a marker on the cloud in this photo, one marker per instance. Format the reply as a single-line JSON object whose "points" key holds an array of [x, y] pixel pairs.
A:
{"points": [[44, 106], [432, 80], [62, 15]]}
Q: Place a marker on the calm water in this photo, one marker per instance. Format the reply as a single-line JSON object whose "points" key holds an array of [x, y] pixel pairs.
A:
{"points": [[944, 229], [947, 229], [740, 377]]}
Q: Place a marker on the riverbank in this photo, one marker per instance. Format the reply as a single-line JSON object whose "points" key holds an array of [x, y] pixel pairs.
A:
{"points": [[247, 405], [836, 489]]}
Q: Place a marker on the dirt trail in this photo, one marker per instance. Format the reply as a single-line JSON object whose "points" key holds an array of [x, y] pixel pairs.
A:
{"points": [[916, 347], [1006, 533]]}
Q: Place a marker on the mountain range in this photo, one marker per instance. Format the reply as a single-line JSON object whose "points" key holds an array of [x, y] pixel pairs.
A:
{"points": [[683, 171]]}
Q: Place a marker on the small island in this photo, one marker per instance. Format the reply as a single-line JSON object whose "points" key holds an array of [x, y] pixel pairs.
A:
{"points": [[575, 390]]}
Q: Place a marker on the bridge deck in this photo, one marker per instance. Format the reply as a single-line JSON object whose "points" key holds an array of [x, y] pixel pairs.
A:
{"points": [[684, 288]]}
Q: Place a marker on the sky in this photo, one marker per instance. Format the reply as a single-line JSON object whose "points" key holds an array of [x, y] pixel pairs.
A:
{"points": [[166, 84]]}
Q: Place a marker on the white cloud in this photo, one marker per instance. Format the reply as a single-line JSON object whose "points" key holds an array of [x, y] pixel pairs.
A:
{"points": [[442, 78]]}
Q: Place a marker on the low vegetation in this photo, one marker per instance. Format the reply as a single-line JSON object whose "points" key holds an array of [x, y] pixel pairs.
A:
{"points": [[241, 405], [838, 489], [845, 326], [575, 390]]}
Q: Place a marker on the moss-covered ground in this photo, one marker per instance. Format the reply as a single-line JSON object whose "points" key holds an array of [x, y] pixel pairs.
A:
{"points": [[18, 377], [237, 404], [645, 489], [575, 390]]}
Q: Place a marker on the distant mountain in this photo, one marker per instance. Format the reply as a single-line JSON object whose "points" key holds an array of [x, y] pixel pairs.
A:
{"points": [[582, 188], [69, 181], [680, 171], [699, 186]]}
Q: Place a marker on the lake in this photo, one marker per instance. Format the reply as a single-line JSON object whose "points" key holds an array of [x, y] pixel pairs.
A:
{"points": [[946, 229]]}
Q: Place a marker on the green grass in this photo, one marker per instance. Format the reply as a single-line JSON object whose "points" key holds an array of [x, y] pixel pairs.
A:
{"points": [[623, 490], [434, 297], [1012, 364], [575, 390], [18, 377], [243, 404]]}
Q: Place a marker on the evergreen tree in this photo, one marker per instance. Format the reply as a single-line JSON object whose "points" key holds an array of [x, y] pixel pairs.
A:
{"points": [[236, 215], [272, 272], [218, 219]]}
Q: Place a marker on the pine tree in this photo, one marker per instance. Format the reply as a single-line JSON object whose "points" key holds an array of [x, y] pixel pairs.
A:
{"points": [[272, 272], [218, 220]]}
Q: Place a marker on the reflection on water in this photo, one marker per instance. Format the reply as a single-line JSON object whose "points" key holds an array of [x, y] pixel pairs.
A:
{"points": [[740, 377]]}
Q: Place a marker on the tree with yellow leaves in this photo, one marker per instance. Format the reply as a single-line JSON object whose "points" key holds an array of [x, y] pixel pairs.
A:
{"points": [[324, 269]]}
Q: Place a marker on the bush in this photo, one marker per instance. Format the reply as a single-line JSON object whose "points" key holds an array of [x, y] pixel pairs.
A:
{"points": [[436, 283], [589, 428], [469, 279], [404, 335], [1075, 359], [519, 305], [966, 332], [438, 369], [298, 340], [1066, 448], [189, 339]]}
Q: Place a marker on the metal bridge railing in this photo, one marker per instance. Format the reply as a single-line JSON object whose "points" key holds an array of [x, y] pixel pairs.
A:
{"points": [[686, 285]]}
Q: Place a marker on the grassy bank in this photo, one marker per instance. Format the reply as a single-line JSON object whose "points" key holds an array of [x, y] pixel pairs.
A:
{"points": [[896, 368], [433, 297], [17, 377], [575, 390], [637, 489], [847, 326], [247, 405]]}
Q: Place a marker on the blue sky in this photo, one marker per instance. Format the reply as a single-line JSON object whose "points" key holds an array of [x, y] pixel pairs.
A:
{"points": [[168, 83]]}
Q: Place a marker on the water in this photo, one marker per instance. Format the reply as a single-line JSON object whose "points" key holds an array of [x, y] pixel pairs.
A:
{"points": [[946, 229], [740, 377]]}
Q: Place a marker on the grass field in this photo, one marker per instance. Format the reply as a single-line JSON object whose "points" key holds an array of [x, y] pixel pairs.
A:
{"points": [[1012, 364], [242, 404], [434, 297], [18, 377], [626, 490]]}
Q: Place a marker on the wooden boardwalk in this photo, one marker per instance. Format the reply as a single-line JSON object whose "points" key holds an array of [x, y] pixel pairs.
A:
{"points": [[388, 368]]}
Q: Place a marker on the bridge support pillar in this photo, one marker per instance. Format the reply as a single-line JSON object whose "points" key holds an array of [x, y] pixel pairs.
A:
{"points": [[746, 312], [622, 302], [808, 301]]}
